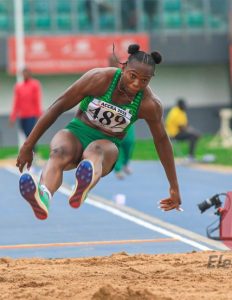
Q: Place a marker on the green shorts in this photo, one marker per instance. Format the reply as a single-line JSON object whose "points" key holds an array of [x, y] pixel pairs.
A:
{"points": [[86, 134]]}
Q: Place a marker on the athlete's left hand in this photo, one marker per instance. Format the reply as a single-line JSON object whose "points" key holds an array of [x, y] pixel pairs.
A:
{"points": [[173, 202]]}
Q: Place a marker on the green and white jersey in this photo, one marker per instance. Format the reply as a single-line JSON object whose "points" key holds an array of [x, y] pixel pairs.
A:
{"points": [[104, 113]]}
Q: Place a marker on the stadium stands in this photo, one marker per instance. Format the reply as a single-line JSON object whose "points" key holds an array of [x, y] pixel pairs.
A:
{"points": [[172, 5], [41, 6], [64, 6], [77, 16], [4, 22], [3, 7], [195, 19], [42, 22], [172, 20], [64, 22]]}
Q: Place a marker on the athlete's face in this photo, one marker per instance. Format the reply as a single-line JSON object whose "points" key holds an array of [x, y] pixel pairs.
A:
{"points": [[136, 76]]}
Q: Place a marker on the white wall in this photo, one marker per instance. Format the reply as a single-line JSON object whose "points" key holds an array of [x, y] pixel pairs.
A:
{"points": [[199, 85]]}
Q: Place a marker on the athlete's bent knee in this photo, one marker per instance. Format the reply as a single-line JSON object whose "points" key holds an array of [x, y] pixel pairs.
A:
{"points": [[94, 148], [61, 154]]}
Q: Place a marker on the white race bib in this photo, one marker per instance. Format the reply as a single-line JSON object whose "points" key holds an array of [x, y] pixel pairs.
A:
{"points": [[108, 116]]}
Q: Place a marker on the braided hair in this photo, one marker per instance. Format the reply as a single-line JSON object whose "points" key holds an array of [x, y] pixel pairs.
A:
{"points": [[143, 57], [152, 59]]}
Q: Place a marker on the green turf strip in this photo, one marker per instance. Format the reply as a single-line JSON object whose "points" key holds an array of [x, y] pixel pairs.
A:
{"points": [[144, 150]]}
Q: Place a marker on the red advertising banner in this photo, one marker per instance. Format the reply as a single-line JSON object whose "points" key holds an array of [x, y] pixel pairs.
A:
{"points": [[72, 54]]}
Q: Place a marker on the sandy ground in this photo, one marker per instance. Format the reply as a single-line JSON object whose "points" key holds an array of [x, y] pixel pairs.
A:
{"points": [[7, 162], [197, 275], [119, 277]]}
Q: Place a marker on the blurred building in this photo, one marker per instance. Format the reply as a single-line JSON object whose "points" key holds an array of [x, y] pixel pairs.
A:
{"points": [[192, 35]]}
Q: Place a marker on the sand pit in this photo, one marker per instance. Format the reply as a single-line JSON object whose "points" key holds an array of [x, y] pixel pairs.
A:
{"points": [[119, 277]]}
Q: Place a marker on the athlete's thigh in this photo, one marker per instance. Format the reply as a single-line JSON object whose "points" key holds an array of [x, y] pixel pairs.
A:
{"points": [[66, 149], [107, 150]]}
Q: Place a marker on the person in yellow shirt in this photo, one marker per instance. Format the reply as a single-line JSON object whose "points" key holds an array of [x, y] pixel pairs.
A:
{"points": [[178, 128]]}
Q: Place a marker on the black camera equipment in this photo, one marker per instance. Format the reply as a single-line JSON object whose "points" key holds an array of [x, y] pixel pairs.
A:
{"points": [[213, 201], [225, 215]]}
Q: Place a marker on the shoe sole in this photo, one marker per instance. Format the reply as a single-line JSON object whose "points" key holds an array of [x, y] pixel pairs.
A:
{"points": [[84, 178], [29, 192]]}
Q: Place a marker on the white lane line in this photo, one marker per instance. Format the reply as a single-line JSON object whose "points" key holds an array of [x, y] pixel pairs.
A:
{"points": [[160, 223], [123, 215], [115, 211]]}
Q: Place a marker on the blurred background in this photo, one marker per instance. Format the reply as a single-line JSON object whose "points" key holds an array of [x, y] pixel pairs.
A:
{"points": [[64, 38]]}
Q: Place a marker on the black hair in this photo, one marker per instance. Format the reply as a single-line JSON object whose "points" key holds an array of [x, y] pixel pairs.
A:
{"points": [[141, 56], [181, 103]]}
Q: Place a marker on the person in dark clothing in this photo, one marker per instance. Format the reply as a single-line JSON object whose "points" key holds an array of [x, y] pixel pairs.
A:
{"points": [[178, 128]]}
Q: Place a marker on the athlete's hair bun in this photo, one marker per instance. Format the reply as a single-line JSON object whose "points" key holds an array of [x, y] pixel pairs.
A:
{"points": [[156, 57], [133, 48]]}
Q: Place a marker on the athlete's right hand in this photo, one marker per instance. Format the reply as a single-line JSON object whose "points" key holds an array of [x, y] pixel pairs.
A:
{"points": [[25, 157], [173, 202]]}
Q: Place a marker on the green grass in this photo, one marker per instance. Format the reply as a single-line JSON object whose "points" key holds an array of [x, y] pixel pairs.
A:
{"points": [[144, 150], [10, 152]]}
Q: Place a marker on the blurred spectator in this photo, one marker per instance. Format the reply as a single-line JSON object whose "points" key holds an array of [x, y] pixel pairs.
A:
{"points": [[150, 9], [103, 6], [88, 5], [27, 103], [129, 15], [178, 128]]}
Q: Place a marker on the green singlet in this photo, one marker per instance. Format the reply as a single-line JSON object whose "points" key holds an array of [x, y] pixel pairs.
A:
{"points": [[102, 112]]}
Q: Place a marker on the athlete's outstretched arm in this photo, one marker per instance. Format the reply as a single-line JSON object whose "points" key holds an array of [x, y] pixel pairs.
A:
{"points": [[91, 83], [154, 118]]}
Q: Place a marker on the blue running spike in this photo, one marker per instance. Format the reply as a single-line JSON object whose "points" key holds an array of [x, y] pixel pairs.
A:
{"points": [[84, 179], [31, 192]]}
